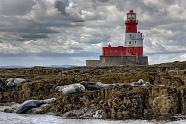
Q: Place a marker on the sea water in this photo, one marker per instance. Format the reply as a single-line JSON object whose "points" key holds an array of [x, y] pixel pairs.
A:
{"points": [[11, 118]]}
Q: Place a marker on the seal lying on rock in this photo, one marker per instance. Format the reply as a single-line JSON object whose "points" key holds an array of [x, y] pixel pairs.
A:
{"points": [[97, 114], [29, 104], [72, 88], [2, 85], [15, 81], [105, 86], [140, 82], [97, 86], [90, 85]]}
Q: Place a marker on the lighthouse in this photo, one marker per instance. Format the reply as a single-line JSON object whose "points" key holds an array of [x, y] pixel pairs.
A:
{"points": [[130, 53], [133, 38]]}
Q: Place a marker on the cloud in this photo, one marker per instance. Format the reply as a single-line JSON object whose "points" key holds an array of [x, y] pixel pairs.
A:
{"points": [[15, 7], [79, 28]]}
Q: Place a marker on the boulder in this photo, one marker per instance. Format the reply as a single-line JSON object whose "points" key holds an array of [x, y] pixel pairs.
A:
{"points": [[165, 105]]}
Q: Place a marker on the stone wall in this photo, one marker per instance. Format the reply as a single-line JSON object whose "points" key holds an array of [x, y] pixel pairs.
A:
{"points": [[117, 60], [123, 60], [93, 63]]}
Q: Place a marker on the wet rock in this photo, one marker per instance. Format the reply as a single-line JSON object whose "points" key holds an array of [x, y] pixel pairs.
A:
{"points": [[165, 97], [9, 107], [39, 110], [73, 114]]}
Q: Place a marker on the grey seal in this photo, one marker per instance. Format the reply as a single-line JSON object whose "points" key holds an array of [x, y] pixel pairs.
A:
{"points": [[141, 82], [90, 85], [29, 104], [2, 85], [106, 86], [72, 88], [97, 86], [15, 81]]}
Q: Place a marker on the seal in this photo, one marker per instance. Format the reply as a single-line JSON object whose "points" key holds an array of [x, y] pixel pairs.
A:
{"points": [[97, 86], [15, 81], [97, 114], [72, 88], [140, 82], [2, 85], [90, 86], [106, 86], [29, 104]]}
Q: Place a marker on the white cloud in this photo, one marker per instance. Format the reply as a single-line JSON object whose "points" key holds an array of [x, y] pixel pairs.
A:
{"points": [[79, 26]]}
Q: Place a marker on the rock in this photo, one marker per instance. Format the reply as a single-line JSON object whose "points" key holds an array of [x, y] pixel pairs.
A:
{"points": [[121, 102], [39, 110], [165, 105], [73, 114], [9, 107]]}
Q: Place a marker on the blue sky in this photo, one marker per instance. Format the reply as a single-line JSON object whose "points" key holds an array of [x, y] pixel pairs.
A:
{"points": [[62, 32]]}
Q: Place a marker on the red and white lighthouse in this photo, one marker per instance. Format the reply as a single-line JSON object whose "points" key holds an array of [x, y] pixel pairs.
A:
{"points": [[130, 53], [133, 38]]}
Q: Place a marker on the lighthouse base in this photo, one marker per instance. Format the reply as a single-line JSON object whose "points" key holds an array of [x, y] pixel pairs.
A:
{"points": [[117, 61]]}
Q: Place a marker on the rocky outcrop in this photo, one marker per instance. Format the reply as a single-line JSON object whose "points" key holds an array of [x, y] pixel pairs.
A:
{"points": [[164, 95]]}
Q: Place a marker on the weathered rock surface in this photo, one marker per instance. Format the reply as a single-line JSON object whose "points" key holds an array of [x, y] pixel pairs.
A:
{"points": [[165, 95]]}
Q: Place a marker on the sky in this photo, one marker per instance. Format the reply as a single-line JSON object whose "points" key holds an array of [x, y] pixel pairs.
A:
{"points": [[67, 32]]}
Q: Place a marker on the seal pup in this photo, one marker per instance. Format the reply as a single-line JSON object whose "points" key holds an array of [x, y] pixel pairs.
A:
{"points": [[29, 104]]}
